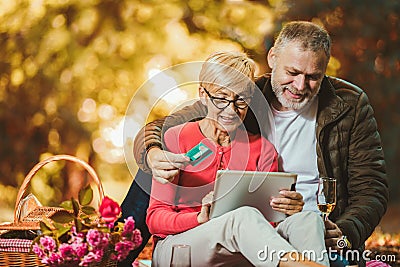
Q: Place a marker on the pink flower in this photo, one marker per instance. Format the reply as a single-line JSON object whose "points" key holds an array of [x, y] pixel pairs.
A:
{"points": [[99, 254], [137, 238], [93, 237], [54, 260], [38, 251], [376, 264], [129, 226], [48, 243], [109, 210], [67, 252], [97, 239], [123, 248], [80, 248], [88, 259]]}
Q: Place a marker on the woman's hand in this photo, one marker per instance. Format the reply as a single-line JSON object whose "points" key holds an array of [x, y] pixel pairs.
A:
{"points": [[204, 214], [165, 165], [289, 202]]}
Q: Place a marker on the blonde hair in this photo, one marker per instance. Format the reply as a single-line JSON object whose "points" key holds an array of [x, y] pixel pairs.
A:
{"points": [[232, 70]]}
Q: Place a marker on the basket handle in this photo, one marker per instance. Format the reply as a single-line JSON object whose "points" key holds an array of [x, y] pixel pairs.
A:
{"points": [[39, 165]]}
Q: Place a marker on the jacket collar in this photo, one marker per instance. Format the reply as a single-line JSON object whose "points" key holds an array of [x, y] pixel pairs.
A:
{"points": [[330, 106]]}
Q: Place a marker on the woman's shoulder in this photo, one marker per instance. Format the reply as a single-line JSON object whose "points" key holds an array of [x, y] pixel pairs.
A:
{"points": [[187, 126], [181, 131]]}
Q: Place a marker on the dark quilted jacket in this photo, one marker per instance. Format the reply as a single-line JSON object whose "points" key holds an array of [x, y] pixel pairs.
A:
{"points": [[348, 148]]}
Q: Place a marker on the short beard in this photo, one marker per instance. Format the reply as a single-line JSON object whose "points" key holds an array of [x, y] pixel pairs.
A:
{"points": [[278, 91]]}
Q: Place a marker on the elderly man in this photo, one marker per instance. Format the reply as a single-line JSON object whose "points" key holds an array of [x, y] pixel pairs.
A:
{"points": [[324, 126]]}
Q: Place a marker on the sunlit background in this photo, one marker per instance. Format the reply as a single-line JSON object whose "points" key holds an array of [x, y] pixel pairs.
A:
{"points": [[69, 69]]}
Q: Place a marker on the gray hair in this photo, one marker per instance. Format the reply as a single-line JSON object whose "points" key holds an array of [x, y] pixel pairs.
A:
{"points": [[310, 35], [228, 69]]}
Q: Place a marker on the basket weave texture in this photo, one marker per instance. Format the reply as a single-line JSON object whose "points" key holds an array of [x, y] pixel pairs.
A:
{"points": [[17, 252]]}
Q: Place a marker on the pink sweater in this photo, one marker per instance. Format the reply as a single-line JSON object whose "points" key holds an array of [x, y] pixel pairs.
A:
{"points": [[174, 206]]}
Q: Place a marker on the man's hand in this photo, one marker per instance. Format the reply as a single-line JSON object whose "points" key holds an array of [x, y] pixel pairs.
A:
{"points": [[288, 202], [204, 214], [165, 165], [332, 235]]}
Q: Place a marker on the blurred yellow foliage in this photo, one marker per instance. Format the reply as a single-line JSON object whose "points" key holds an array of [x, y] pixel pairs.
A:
{"points": [[70, 68]]}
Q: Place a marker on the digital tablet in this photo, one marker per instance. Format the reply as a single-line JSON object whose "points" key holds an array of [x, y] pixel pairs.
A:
{"points": [[234, 189]]}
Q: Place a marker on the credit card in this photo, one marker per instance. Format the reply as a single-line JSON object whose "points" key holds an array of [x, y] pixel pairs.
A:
{"points": [[198, 153]]}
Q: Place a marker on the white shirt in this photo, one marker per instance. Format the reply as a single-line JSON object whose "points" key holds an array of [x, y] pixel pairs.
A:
{"points": [[295, 142]]}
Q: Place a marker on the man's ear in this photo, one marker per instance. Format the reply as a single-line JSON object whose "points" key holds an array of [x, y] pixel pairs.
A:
{"points": [[271, 57], [202, 95]]}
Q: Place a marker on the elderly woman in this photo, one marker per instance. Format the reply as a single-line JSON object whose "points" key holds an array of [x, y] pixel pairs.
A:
{"points": [[179, 211]]}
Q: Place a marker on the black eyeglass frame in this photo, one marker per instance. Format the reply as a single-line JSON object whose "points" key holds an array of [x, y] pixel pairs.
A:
{"points": [[228, 102]]}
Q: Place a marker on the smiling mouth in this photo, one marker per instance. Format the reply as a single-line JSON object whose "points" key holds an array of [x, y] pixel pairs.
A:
{"points": [[227, 119], [293, 95]]}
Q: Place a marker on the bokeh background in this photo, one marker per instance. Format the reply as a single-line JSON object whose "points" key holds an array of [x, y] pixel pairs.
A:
{"points": [[69, 68]]}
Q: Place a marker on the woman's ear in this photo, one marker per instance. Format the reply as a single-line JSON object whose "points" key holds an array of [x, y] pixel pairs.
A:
{"points": [[203, 96]]}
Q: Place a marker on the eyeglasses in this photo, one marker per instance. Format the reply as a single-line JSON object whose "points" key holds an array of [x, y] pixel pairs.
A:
{"points": [[223, 103]]}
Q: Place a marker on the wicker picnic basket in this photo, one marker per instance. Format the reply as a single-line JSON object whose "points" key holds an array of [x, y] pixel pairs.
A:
{"points": [[17, 252]]}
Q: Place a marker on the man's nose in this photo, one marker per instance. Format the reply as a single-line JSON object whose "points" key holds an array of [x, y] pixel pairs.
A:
{"points": [[300, 82]]}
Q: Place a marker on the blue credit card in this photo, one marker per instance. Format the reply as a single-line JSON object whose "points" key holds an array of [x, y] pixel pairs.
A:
{"points": [[198, 153]]}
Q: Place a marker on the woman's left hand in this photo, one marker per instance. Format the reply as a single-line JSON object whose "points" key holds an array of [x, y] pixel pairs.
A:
{"points": [[204, 214], [288, 202]]}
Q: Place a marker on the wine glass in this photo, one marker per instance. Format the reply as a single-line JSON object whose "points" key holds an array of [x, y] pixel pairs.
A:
{"points": [[180, 256], [326, 196]]}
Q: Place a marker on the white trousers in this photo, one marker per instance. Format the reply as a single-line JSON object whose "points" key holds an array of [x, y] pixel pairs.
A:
{"points": [[244, 237]]}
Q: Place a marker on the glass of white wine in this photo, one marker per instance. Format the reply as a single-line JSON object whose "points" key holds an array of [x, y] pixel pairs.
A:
{"points": [[326, 196], [181, 256]]}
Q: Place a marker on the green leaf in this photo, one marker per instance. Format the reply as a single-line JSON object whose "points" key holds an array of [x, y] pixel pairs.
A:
{"points": [[66, 205], [62, 217], [62, 229], [45, 228], [75, 206], [78, 225], [88, 210], [85, 195]]}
